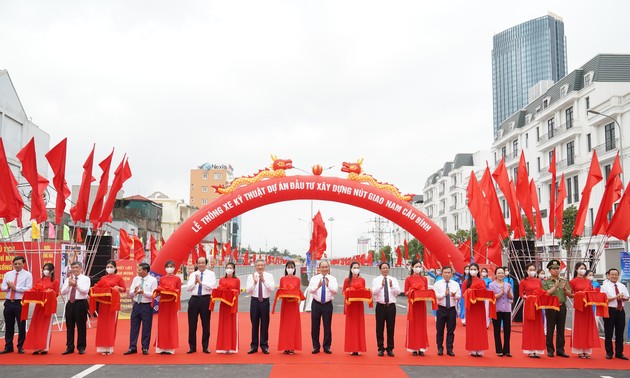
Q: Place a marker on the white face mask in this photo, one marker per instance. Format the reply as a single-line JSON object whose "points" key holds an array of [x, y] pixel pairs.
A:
{"points": [[484, 274], [473, 272], [581, 272], [531, 273], [356, 271], [170, 270], [229, 271], [46, 273], [110, 270], [417, 270], [290, 271], [507, 273], [590, 278]]}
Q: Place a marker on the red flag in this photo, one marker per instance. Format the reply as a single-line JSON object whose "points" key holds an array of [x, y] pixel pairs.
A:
{"points": [[318, 239], [464, 248], [246, 258], [138, 249], [383, 259], [619, 226], [552, 194], [80, 208], [11, 202], [126, 243], [57, 159], [406, 250], [429, 260], [398, 256], [540, 231], [194, 255], [594, 176], [79, 236], [478, 251], [370, 259], [97, 206], [612, 193], [562, 195], [502, 179], [494, 208], [38, 183], [152, 247], [227, 250], [202, 251], [236, 254], [562, 265], [494, 252], [479, 210], [122, 174], [162, 242], [522, 191], [215, 249]]}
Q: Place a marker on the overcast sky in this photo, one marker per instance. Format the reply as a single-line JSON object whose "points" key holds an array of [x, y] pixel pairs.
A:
{"points": [[405, 85]]}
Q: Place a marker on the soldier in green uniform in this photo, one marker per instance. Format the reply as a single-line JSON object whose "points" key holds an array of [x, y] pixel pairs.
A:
{"points": [[556, 320]]}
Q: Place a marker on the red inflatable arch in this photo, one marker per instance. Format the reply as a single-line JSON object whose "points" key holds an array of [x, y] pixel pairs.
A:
{"points": [[383, 202]]}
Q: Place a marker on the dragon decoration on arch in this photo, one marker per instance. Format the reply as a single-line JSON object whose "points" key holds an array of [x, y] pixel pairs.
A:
{"points": [[279, 167]]}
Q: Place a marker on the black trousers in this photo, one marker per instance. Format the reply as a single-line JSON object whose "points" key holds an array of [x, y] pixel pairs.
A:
{"points": [[556, 320], [141, 314], [12, 312], [259, 316], [321, 312], [199, 307], [385, 314], [76, 315], [614, 323], [445, 317], [506, 319]]}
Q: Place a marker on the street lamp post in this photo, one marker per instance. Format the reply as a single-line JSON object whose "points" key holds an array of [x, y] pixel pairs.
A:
{"points": [[331, 219]]}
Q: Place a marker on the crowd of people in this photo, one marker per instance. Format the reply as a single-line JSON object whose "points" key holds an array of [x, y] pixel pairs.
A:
{"points": [[477, 298]]}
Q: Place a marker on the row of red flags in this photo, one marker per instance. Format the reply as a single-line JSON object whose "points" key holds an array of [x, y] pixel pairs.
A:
{"points": [[11, 203]]}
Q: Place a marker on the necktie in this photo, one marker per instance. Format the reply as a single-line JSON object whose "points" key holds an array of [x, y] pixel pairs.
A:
{"points": [[323, 298], [15, 286], [200, 286], [619, 303], [448, 296], [73, 292], [139, 299], [260, 292], [386, 296]]}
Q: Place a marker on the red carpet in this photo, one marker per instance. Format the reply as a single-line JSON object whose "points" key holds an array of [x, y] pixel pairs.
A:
{"points": [[334, 365]]}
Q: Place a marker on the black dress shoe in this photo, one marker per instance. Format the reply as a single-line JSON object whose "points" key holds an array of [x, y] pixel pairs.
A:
{"points": [[43, 352], [327, 351], [315, 351], [440, 352], [20, 351], [191, 351], [381, 353], [562, 354], [354, 353], [390, 353], [609, 356], [450, 353], [414, 353], [420, 353], [206, 351], [145, 351], [81, 351], [5, 351], [550, 354], [130, 351], [621, 357], [265, 350], [507, 355], [67, 351], [252, 351]]}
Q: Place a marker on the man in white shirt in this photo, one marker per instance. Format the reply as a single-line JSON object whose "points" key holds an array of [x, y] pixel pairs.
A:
{"points": [[616, 321], [323, 288], [141, 293], [259, 285], [385, 290], [200, 285], [447, 292], [75, 290], [14, 284]]}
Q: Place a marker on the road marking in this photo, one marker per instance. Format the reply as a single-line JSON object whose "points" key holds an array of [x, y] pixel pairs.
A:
{"points": [[88, 371]]}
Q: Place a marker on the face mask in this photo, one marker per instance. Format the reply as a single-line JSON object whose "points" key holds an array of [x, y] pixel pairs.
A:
{"points": [[484, 274], [229, 271], [417, 270], [355, 271], [46, 273], [590, 278], [531, 273], [438, 272], [110, 270], [170, 270], [507, 273], [290, 270], [474, 273], [582, 272]]}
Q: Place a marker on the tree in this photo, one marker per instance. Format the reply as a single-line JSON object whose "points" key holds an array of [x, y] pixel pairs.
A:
{"points": [[529, 231], [569, 241], [416, 249]]}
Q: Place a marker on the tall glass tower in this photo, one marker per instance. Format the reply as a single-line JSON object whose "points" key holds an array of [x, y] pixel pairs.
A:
{"points": [[522, 56]]}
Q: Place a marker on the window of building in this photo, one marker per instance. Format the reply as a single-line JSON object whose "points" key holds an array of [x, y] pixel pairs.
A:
{"points": [[550, 157], [456, 221], [564, 90], [587, 102], [569, 116], [527, 166], [515, 148], [569, 191], [609, 133], [205, 176], [570, 153], [204, 189], [545, 103], [504, 208], [576, 190], [590, 215], [514, 174], [588, 142], [204, 201], [588, 78], [217, 175], [503, 151], [606, 172], [537, 134], [538, 163], [526, 140], [550, 128]]}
